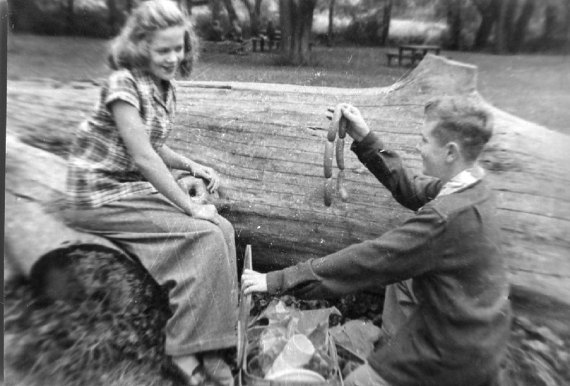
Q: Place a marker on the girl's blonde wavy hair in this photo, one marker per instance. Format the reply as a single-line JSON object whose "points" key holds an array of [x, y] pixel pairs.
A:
{"points": [[130, 49]]}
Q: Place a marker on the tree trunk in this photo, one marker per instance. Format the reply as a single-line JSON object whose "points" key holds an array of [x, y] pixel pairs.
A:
{"points": [[454, 24], [232, 14], [567, 26], [113, 16], [267, 140], [70, 17], [489, 12], [387, 17], [216, 9], [257, 16], [254, 11], [500, 29], [549, 25], [508, 16], [520, 27], [296, 23], [330, 31]]}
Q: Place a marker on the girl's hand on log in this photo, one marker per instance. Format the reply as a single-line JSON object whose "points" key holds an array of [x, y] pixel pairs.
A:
{"points": [[356, 126], [205, 212], [209, 175], [252, 281]]}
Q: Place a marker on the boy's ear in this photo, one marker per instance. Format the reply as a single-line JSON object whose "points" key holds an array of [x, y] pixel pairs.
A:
{"points": [[453, 151]]}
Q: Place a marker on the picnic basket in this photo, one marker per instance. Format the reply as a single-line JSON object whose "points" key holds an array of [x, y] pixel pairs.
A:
{"points": [[245, 334]]}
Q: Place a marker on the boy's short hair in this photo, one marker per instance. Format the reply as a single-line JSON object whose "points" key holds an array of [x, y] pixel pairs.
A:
{"points": [[461, 119], [130, 49]]}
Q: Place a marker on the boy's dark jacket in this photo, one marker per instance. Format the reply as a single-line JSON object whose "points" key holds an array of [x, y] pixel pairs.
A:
{"points": [[451, 249]]}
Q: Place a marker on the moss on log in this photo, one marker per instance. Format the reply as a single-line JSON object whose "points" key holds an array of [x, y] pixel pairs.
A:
{"points": [[267, 141]]}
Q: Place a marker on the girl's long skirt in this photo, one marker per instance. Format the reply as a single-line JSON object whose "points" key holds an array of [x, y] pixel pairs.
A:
{"points": [[194, 259]]}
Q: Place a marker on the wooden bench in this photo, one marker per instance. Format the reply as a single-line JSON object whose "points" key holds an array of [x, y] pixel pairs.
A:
{"points": [[262, 39], [400, 57], [412, 52]]}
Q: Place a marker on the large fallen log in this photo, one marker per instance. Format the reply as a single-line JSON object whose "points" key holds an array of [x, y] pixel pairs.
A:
{"points": [[267, 142]]}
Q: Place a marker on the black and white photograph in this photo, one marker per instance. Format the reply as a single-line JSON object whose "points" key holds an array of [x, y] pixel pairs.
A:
{"points": [[286, 192]]}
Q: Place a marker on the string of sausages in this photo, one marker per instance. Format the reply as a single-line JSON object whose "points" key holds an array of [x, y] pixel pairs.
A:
{"points": [[335, 146]]}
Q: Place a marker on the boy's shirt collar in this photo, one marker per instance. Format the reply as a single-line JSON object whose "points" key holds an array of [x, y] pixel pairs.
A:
{"points": [[462, 180]]}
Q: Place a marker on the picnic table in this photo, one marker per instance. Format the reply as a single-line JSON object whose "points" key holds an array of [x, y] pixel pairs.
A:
{"points": [[413, 52]]}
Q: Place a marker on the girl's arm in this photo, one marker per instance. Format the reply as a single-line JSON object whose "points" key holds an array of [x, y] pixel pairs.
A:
{"points": [[177, 161], [151, 165]]}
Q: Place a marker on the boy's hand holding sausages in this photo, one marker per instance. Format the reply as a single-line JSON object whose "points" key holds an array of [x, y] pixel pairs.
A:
{"points": [[252, 281], [356, 127]]}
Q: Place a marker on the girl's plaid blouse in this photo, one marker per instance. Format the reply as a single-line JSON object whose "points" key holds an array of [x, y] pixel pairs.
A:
{"points": [[100, 169]]}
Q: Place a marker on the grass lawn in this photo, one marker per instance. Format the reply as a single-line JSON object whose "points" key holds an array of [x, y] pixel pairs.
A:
{"points": [[534, 87]]}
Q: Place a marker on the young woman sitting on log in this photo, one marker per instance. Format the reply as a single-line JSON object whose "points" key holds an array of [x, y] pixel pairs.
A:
{"points": [[120, 186]]}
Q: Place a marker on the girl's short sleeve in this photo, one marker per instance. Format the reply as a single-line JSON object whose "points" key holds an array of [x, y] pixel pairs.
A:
{"points": [[122, 86]]}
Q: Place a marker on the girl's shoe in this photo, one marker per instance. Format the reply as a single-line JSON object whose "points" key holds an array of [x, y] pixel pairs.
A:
{"points": [[190, 369], [217, 370], [197, 378]]}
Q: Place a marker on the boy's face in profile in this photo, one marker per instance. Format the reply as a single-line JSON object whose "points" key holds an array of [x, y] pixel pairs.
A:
{"points": [[433, 153]]}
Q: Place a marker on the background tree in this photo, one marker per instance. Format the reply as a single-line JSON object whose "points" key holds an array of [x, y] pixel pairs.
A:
{"points": [[254, 10], [520, 27], [489, 11], [510, 18], [500, 39], [550, 23], [454, 23], [387, 17], [330, 31], [70, 16], [216, 7], [370, 22], [232, 14], [114, 16], [567, 26], [296, 19]]}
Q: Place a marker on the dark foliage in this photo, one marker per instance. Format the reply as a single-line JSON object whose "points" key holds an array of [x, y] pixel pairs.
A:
{"points": [[365, 30], [105, 326], [109, 331], [35, 17]]}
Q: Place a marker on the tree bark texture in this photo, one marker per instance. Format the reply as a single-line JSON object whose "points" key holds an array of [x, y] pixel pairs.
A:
{"points": [[232, 14], [330, 31], [267, 143], [520, 26], [489, 11], [70, 16], [114, 16], [386, 18], [296, 23], [454, 22], [508, 17], [501, 27], [216, 9], [254, 11]]}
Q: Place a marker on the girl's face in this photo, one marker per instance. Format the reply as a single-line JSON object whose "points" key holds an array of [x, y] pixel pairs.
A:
{"points": [[166, 52]]}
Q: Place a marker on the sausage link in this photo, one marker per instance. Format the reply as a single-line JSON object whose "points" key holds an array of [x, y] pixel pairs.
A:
{"points": [[340, 153], [333, 127], [328, 161], [328, 191], [342, 126]]}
